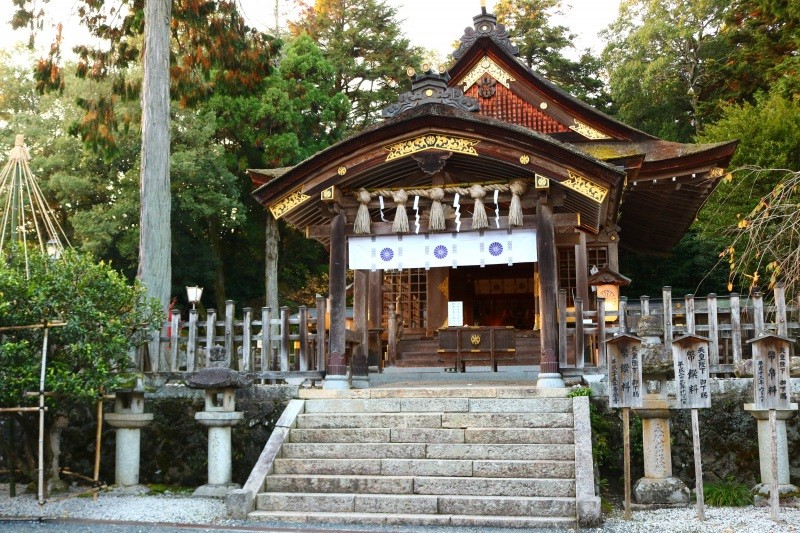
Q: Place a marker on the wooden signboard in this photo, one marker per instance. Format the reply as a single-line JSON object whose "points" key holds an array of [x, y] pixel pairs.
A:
{"points": [[691, 362], [693, 391], [455, 314], [771, 371], [625, 371]]}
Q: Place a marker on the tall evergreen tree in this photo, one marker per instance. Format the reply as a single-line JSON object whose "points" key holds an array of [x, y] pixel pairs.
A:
{"points": [[363, 41]]}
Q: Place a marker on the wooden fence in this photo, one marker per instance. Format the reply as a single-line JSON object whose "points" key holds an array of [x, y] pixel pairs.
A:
{"points": [[268, 345], [728, 322]]}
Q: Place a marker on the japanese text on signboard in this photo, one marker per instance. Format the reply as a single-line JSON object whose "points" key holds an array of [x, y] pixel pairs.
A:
{"points": [[625, 373]]}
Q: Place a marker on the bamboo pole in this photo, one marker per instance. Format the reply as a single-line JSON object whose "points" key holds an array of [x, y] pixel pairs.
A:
{"points": [[41, 416], [12, 481]]}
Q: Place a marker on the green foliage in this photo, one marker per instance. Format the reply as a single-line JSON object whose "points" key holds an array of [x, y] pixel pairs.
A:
{"points": [[542, 47], [602, 451], [104, 317], [727, 493], [663, 60], [363, 42]]}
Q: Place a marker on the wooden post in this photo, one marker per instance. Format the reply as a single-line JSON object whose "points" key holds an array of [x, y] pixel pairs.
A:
{"points": [[211, 333], [41, 416], [174, 339], [581, 269], [321, 343], [284, 349], [375, 317], [773, 447], [337, 284], [758, 314], [562, 328], [579, 340], [391, 343], [713, 330], [548, 275], [698, 467], [623, 314], [98, 441], [780, 309], [601, 332], [266, 341], [303, 355], [626, 444], [247, 340], [644, 302], [358, 360], [271, 245], [229, 353], [191, 344], [666, 307], [736, 328], [12, 480], [690, 322]]}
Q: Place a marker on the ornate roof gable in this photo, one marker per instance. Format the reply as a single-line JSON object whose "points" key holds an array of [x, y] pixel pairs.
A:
{"points": [[485, 25], [430, 87]]}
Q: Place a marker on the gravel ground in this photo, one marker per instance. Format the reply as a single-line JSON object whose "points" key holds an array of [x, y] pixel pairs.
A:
{"points": [[182, 509]]}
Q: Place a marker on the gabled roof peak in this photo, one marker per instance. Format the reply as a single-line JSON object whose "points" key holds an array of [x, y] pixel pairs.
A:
{"points": [[430, 87], [485, 25]]}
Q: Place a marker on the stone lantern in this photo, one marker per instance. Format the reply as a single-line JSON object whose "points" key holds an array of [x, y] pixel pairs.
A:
{"points": [[220, 415], [129, 418]]}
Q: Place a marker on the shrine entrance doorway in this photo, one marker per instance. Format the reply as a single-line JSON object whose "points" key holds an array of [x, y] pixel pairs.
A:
{"points": [[497, 295]]}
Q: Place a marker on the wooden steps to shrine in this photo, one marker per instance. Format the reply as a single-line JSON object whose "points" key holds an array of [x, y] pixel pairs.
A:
{"points": [[422, 352], [516, 457]]}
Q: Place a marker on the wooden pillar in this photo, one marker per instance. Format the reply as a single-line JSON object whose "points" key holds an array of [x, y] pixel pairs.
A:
{"points": [[548, 288], [358, 360], [581, 269], [375, 318], [337, 284], [271, 243], [437, 295]]}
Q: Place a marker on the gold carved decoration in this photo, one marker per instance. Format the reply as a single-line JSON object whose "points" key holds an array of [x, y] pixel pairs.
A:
{"points": [[524, 159], [587, 131], [328, 193], [716, 172], [287, 203], [543, 105], [341, 171], [475, 339], [541, 182], [591, 190], [444, 288], [431, 142], [487, 66]]}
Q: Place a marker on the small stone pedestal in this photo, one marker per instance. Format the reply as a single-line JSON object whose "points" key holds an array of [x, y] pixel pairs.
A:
{"points": [[128, 418], [788, 494], [220, 415], [549, 377], [658, 486]]}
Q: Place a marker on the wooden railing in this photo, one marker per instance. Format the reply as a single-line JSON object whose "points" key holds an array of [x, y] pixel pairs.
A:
{"points": [[270, 345], [728, 322]]}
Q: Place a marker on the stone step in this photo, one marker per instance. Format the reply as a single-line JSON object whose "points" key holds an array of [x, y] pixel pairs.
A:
{"points": [[394, 450], [489, 452], [462, 391], [507, 420], [443, 405], [355, 435], [472, 486], [519, 435], [490, 468], [338, 484], [366, 420], [416, 504], [411, 520], [427, 485]]}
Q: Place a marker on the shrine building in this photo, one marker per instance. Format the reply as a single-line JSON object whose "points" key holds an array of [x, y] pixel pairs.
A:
{"points": [[484, 192]]}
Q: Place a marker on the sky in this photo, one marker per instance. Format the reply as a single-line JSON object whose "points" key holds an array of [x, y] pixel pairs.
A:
{"points": [[432, 24]]}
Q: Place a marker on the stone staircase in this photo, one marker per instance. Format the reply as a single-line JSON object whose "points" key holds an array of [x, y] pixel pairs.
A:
{"points": [[467, 456]]}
